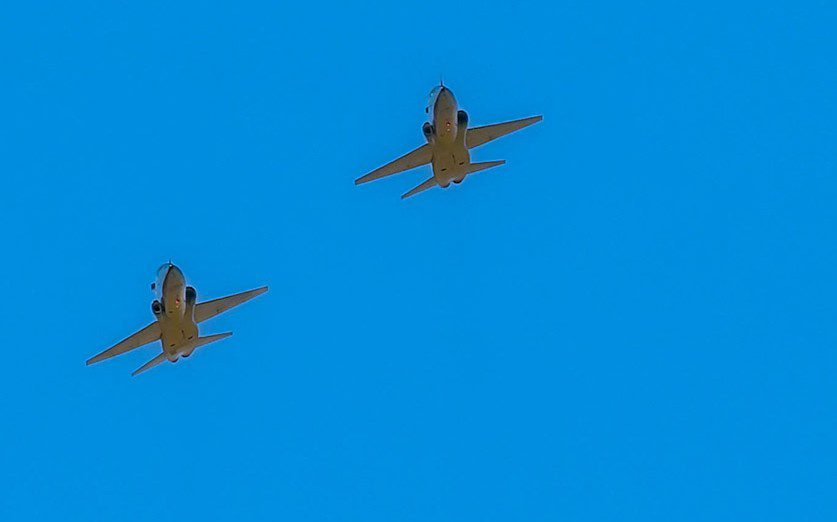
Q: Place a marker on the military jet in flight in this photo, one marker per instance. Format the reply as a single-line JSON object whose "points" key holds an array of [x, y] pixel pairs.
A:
{"points": [[177, 316], [449, 141]]}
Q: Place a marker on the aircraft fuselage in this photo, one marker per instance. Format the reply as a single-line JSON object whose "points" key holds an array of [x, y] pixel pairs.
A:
{"points": [[174, 309], [451, 157], [449, 139]]}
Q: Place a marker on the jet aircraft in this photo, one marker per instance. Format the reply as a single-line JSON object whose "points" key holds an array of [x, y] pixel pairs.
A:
{"points": [[449, 141], [177, 316]]}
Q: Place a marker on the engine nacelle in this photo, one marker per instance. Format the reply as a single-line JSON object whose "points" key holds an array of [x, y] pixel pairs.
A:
{"points": [[157, 307], [462, 119], [191, 295], [427, 129]]}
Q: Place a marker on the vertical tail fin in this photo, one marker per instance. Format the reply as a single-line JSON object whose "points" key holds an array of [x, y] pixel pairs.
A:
{"points": [[476, 167]]}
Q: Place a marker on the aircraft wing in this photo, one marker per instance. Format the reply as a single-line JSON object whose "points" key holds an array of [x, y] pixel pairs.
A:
{"points": [[149, 334], [481, 135], [209, 309], [421, 156]]}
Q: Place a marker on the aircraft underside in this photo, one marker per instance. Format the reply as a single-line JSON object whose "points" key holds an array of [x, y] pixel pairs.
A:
{"points": [[176, 319], [450, 164], [449, 140], [178, 337]]}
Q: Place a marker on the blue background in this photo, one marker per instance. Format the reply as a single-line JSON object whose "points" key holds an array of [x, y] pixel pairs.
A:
{"points": [[633, 319]]}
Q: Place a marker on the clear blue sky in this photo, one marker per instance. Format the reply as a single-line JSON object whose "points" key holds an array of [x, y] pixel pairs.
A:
{"points": [[633, 319]]}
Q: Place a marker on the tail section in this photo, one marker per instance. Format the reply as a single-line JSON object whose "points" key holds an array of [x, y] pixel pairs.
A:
{"points": [[202, 341], [210, 339], [430, 183], [476, 167], [150, 364]]}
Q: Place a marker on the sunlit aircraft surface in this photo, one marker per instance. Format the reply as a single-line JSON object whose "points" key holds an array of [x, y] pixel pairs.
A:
{"points": [[177, 316], [449, 141]]}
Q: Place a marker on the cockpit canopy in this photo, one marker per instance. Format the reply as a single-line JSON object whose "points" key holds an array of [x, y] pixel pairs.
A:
{"points": [[431, 100], [157, 286], [163, 270]]}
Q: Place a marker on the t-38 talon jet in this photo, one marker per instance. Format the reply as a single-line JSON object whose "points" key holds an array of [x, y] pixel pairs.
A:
{"points": [[177, 315], [449, 141]]}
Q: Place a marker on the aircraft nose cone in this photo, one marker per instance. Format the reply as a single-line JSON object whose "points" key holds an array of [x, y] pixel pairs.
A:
{"points": [[174, 276], [446, 96]]}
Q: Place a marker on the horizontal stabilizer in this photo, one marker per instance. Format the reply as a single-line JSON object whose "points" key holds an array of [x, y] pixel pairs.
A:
{"points": [[430, 183], [150, 364], [476, 167], [202, 341]]}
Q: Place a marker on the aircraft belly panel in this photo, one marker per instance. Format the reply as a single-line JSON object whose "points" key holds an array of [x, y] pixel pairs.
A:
{"points": [[450, 163], [178, 335]]}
